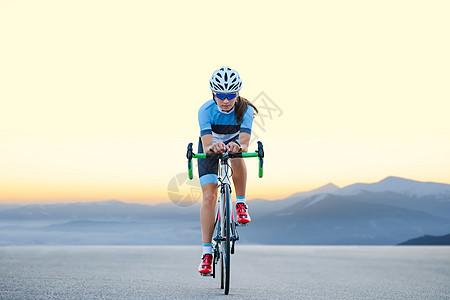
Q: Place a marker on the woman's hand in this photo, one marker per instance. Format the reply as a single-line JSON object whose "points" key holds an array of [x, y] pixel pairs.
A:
{"points": [[233, 148], [218, 147]]}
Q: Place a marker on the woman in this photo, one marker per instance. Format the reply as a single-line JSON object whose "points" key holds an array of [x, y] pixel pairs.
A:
{"points": [[225, 125]]}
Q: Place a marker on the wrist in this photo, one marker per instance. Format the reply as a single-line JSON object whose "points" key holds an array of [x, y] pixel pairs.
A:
{"points": [[208, 149], [239, 145]]}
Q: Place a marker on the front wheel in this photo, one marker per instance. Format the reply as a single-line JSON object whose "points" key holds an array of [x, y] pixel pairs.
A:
{"points": [[221, 273], [227, 235]]}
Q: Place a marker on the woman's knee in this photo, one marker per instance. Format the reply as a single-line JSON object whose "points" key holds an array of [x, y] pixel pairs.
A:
{"points": [[209, 193], [209, 199]]}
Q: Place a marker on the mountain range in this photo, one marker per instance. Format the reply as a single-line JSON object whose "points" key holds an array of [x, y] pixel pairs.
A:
{"points": [[387, 212]]}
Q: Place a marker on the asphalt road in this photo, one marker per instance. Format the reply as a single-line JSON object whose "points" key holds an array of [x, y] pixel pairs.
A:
{"points": [[258, 272]]}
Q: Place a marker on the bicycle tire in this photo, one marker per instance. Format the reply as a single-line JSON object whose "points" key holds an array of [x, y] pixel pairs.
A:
{"points": [[221, 245], [227, 242], [214, 263], [221, 272]]}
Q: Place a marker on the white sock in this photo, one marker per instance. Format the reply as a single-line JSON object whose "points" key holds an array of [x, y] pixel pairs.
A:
{"points": [[240, 199], [207, 249]]}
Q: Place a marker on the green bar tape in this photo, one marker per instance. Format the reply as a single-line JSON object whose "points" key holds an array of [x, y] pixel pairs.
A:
{"points": [[260, 173], [190, 169]]}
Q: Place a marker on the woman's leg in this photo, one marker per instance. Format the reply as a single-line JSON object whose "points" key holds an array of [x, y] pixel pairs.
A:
{"points": [[240, 183], [239, 175], [207, 211]]}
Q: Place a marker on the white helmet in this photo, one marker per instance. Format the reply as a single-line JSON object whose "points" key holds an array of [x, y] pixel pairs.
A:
{"points": [[225, 80]]}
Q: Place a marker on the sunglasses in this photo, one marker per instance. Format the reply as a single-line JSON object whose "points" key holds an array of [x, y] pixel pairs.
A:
{"points": [[229, 96]]}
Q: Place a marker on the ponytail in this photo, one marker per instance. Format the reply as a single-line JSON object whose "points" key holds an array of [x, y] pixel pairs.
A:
{"points": [[240, 108]]}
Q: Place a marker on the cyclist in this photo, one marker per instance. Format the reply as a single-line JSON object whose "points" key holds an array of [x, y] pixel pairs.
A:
{"points": [[225, 125]]}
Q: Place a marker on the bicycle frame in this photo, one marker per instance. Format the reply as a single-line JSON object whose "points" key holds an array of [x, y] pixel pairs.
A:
{"points": [[221, 210]]}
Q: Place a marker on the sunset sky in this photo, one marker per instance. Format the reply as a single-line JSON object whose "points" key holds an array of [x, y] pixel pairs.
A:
{"points": [[99, 99]]}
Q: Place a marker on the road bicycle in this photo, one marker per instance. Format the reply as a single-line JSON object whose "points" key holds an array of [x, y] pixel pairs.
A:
{"points": [[225, 226]]}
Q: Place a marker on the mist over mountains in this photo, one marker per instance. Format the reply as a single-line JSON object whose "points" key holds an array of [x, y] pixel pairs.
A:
{"points": [[387, 212]]}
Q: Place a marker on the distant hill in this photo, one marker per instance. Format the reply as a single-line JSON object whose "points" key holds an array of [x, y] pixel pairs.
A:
{"points": [[387, 212], [329, 219], [262, 207], [8, 206], [382, 213], [401, 186], [328, 188], [98, 211], [428, 240]]}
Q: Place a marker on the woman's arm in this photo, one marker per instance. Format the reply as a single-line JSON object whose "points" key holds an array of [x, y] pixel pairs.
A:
{"points": [[244, 140]]}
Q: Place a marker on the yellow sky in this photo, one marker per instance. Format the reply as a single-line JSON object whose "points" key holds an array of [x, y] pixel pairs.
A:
{"points": [[99, 98]]}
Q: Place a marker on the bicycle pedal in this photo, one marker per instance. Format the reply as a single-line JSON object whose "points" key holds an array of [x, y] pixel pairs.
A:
{"points": [[206, 274], [241, 224]]}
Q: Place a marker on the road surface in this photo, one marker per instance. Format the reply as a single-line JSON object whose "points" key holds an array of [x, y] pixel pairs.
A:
{"points": [[258, 272]]}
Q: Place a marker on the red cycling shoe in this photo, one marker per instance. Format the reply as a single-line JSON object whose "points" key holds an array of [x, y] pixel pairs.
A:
{"points": [[205, 265], [242, 213]]}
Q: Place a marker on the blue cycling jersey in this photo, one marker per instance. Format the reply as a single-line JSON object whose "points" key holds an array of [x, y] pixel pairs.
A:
{"points": [[223, 125]]}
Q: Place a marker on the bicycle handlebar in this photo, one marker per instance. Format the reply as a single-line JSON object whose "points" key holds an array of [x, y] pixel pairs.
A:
{"points": [[258, 153]]}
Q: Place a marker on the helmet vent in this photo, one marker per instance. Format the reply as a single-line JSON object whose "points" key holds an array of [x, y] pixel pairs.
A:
{"points": [[226, 77]]}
